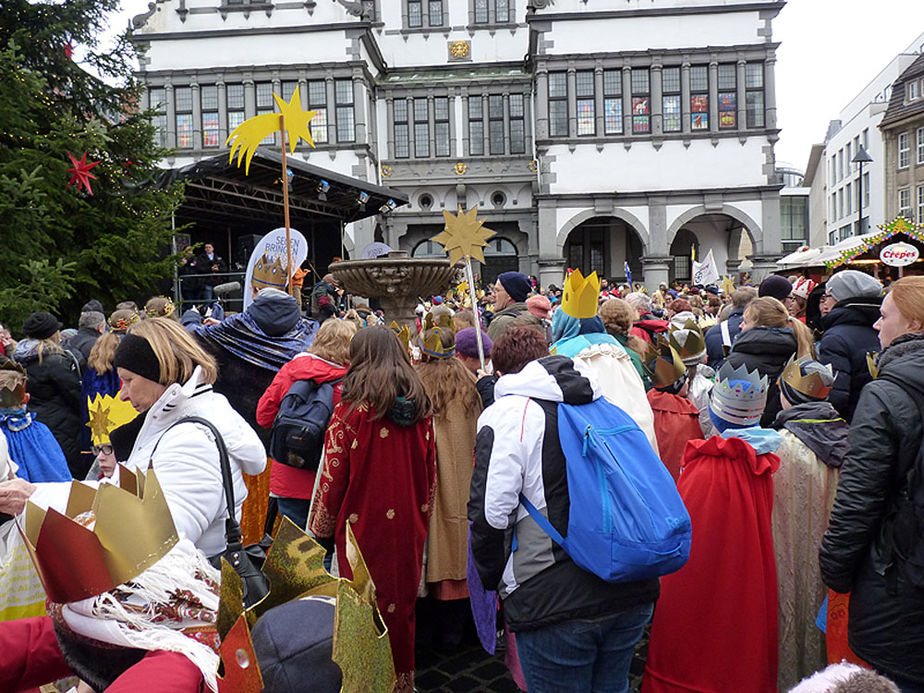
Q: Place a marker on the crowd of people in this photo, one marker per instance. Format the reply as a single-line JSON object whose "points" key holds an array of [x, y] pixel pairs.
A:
{"points": [[789, 416]]}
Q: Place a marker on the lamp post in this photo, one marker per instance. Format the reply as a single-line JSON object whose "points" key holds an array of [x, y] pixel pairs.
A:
{"points": [[861, 157]]}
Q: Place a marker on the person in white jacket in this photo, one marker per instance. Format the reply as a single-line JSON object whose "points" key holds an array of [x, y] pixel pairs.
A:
{"points": [[167, 376]]}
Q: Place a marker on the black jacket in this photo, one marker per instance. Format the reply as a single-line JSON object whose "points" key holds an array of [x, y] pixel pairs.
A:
{"points": [[54, 386], [820, 427], [714, 344], [83, 342], [848, 336], [204, 266], [767, 349], [886, 624]]}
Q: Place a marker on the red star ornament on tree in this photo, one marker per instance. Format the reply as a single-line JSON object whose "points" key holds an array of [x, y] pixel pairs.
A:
{"points": [[81, 172]]}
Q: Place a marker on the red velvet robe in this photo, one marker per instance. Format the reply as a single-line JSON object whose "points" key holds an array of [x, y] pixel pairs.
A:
{"points": [[715, 625], [676, 420], [380, 477]]}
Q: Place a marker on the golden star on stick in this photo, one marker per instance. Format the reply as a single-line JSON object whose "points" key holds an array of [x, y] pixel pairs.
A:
{"points": [[464, 235]]}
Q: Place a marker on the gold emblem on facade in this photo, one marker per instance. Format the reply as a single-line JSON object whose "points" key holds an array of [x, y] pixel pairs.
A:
{"points": [[533, 165], [459, 49], [386, 170], [460, 168]]}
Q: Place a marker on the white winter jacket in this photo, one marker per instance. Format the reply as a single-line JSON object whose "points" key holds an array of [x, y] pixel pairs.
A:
{"points": [[186, 459]]}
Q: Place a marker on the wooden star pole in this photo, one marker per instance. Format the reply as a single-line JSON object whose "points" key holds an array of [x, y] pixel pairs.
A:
{"points": [[285, 203]]}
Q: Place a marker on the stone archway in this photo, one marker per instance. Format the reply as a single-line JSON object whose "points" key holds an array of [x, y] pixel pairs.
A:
{"points": [[727, 231], [604, 244]]}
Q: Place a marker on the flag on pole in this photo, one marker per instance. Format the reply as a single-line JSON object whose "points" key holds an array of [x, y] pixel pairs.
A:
{"points": [[625, 266], [705, 272]]}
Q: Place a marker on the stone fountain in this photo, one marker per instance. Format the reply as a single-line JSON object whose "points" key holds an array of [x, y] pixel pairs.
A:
{"points": [[397, 281]]}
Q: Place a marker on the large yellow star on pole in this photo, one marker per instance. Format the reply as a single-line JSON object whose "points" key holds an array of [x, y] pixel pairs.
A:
{"points": [[464, 235], [248, 135]]}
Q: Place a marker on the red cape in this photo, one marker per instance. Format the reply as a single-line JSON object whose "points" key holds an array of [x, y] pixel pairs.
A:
{"points": [[676, 420], [715, 625]]}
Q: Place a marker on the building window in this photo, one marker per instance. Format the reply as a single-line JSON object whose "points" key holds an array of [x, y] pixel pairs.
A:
{"points": [[641, 102], [208, 98], [920, 218], [157, 100], [496, 124], [475, 126], [670, 102], [793, 220], [441, 126], [492, 11], [920, 145], [234, 94], [911, 91], [265, 104], [317, 102], [182, 97], [866, 191], [612, 102], [848, 158], [904, 202], [849, 202], [834, 207], [402, 137], [584, 86], [904, 150], [754, 94], [558, 104], [421, 13], [343, 97], [517, 124], [421, 129], [699, 97], [728, 97]]}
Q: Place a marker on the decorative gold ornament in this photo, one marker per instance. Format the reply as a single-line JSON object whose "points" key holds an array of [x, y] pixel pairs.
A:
{"points": [[464, 235], [386, 170], [533, 165], [459, 49], [580, 295], [460, 168], [248, 135]]}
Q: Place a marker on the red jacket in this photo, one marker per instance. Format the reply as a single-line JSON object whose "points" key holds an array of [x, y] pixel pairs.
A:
{"points": [[286, 481]]}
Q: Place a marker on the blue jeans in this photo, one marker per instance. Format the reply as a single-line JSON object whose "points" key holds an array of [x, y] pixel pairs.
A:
{"points": [[296, 509], [583, 655]]}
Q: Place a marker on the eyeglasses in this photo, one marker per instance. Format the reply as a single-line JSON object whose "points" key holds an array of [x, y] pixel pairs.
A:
{"points": [[105, 449]]}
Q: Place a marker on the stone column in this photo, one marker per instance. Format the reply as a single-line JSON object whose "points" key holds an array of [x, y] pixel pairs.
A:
{"points": [[360, 133], [656, 270], [627, 100], [390, 127], [741, 95], [453, 123], [171, 115], [506, 106], [572, 102], [542, 103], [713, 96], [770, 91], [431, 124], [599, 128], [250, 98], [222, 110], [551, 263], [197, 116], [466, 151], [685, 124], [657, 102], [331, 110]]}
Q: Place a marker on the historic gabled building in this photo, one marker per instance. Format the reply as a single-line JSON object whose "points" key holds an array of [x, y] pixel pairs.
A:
{"points": [[902, 129], [589, 136]]}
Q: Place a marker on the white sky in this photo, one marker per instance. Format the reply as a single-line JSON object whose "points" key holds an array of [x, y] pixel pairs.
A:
{"points": [[830, 50]]}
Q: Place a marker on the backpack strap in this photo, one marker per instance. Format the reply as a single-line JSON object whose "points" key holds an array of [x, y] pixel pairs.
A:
{"points": [[542, 521]]}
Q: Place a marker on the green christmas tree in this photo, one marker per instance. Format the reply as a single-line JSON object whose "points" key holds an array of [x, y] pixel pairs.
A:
{"points": [[61, 245]]}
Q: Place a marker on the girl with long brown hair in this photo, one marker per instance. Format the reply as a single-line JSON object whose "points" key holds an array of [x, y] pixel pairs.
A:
{"points": [[379, 474]]}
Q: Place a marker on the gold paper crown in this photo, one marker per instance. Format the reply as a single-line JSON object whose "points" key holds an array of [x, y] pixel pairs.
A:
{"points": [[404, 334], [13, 392], [106, 414], [579, 299], [664, 364], [430, 339], [689, 342], [811, 385], [268, 273], [133, 530]]}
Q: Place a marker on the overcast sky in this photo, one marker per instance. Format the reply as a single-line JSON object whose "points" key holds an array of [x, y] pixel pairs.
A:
{"points": [[830, 50]]}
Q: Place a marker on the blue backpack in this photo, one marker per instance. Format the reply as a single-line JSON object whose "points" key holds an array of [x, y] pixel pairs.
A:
{"points": [[626, 521]]}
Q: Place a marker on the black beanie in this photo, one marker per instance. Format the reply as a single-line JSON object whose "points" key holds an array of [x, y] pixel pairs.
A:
{"points": [[775, 286], [136, 355], [516, 284], [41, 325]]}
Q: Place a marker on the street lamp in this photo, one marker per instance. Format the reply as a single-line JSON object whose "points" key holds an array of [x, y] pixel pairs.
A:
{"points": [[861, 157]]}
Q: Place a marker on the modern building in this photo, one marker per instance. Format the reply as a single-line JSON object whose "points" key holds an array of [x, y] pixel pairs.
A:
{"points": [[794, 208], [628, 131], [902, 129], [858, 126]]}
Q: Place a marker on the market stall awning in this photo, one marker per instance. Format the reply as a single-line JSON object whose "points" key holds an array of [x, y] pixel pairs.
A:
{"points": [[900, 227]]}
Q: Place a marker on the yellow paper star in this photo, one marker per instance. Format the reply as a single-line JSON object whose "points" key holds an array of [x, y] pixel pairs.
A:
{"points": [[107, 413], [248, 135], [464, 235]]}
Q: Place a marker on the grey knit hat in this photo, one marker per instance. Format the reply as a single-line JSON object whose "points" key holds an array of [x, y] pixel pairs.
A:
{"points": [[853, 284]]}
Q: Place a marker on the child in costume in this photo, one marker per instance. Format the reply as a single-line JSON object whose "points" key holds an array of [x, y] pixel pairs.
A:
{"points": [[31, 444], [715, 625], [687, 338], [676, 418], [813, 446]]}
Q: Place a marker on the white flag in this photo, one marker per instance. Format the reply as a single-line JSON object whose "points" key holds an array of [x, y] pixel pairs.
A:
{"points": [[705, 272]]}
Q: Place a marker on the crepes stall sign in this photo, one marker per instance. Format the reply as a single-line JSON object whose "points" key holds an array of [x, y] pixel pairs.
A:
{"points": [[898, 254]]}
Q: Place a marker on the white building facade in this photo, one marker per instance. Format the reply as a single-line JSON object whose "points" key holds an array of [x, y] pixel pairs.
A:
{"points": [[628, 132]]}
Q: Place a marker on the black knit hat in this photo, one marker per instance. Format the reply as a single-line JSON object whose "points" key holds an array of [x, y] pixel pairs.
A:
{"points": [[136, 355], [775, 286], [516, 284], [41, 325]]}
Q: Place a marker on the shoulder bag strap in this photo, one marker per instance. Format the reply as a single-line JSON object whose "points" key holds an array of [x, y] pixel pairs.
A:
{"points": [[232, 528]]}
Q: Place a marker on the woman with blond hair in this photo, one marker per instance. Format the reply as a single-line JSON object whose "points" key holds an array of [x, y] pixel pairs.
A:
{"points": [[378, 476], [873, 547], [326, 361], [167, 376], [456, 406], [769, 337]]}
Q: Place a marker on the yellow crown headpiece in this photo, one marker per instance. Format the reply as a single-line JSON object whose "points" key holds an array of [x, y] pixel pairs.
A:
{"points": [[430, 339], [107, 413], [579, 299], [269, 272], [12, 385], [664, 365], [404, 334], [132, 530], [689, 343], [816, 384]]}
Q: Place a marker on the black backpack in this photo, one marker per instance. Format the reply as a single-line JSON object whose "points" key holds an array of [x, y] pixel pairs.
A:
{"points": [[297, 437]]}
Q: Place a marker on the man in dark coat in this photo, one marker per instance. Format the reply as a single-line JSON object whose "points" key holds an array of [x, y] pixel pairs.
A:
{"points": [[91, 325], [852, 299], [510, 293], [209, 262], [718, 336]]}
